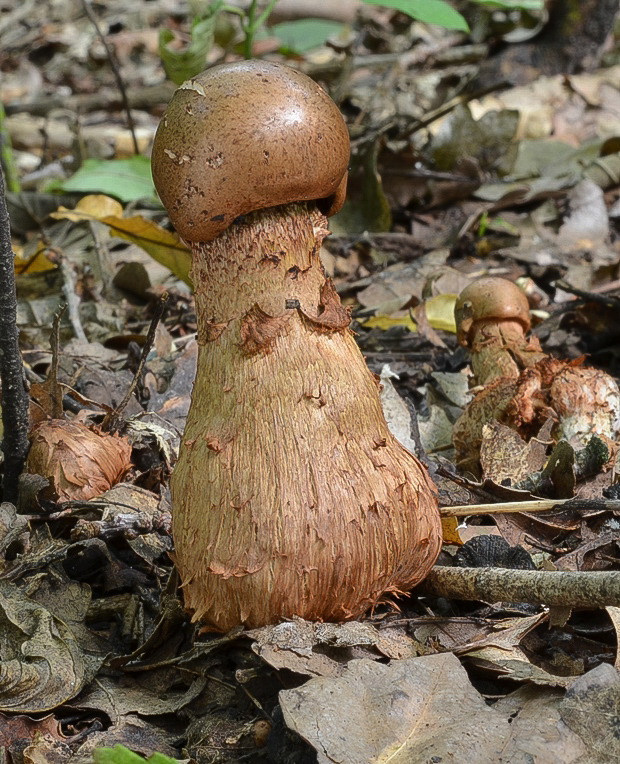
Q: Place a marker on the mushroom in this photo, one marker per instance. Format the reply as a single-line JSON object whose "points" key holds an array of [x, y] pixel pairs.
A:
{"points": [[290, 496], [519, 385], [492, 319]]}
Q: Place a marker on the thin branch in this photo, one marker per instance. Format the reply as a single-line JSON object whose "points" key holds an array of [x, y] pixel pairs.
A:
{"points": [[111, 421], [501, 508], [539, 505], [55, 389], [14, 390], [68, 288], [115, 70]]}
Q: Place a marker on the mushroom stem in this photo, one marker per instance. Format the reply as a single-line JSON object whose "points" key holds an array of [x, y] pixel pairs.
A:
{"points": [[291, 495], [500, 349]]}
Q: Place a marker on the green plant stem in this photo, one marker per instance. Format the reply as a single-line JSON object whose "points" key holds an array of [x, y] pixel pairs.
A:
{"points": [[265, 14], [253, 23]]}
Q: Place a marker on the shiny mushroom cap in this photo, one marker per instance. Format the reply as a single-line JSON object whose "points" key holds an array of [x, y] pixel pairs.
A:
{"points": [[245, 136], [489, 299]]}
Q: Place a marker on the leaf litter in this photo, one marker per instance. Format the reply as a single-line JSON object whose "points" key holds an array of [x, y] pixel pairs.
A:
{"points": [[448, 182]]}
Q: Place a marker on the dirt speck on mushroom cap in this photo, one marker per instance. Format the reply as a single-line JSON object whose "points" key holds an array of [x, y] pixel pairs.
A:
{"points": [[247, 135]]}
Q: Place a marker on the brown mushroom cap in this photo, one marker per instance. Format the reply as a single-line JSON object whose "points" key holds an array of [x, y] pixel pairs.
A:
{"points": [[489, 299], [245, 136]]}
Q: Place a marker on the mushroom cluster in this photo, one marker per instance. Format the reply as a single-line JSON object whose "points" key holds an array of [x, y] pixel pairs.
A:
{"points": [[519, 385], [290, 496]]}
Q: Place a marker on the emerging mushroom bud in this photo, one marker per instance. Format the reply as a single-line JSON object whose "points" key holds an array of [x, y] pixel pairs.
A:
{"points": [[80, 462], [492, 319], [290, 496]]}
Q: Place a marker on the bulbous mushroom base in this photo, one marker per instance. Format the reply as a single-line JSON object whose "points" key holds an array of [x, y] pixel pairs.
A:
{"points": [[290, 497]]}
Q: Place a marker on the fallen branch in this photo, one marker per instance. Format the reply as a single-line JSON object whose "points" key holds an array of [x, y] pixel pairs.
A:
{"points": [[537, 587], [539, 505]]}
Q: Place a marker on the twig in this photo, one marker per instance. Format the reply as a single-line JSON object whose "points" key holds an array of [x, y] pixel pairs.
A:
{"points": [[501, 508], [611, 301], [14, 392], [463, 482], [115, 70], [539, 505], [68, 288], [446, 108], [111, 421], [106, 98], [538, 587], [55, 389]]}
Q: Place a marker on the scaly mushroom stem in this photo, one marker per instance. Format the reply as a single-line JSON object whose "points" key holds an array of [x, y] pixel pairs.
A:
{"points": [[291, 496], [500, 349]]}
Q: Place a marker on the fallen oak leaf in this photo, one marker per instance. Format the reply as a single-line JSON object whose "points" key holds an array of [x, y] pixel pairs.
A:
{"points": [[41, 663]]}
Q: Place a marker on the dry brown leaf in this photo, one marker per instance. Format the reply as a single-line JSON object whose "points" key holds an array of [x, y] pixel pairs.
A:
{"points": [[406, 712], [80, 462]]}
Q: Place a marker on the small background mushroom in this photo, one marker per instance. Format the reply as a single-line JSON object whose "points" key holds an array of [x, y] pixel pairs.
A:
{"points": [[518, 385]]}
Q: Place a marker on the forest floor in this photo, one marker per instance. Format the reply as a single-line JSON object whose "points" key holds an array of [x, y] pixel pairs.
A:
{"points": [[493, 152]]}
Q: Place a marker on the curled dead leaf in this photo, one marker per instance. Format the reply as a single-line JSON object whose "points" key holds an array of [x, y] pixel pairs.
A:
{"points": [[80, 462]]}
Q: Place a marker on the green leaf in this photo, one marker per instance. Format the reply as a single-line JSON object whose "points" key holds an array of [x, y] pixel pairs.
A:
{"points": [[305, 34], [429, 11], [180, 65], [124, 179], [121, 755], [513, 5]]}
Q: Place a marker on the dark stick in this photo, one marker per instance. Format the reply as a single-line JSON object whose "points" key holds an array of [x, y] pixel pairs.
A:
{"points": [[14, 392], [111, 421]]}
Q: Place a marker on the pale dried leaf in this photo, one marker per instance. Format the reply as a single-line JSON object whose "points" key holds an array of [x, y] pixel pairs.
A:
{"points": [[405, 712], [42, 665]]}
